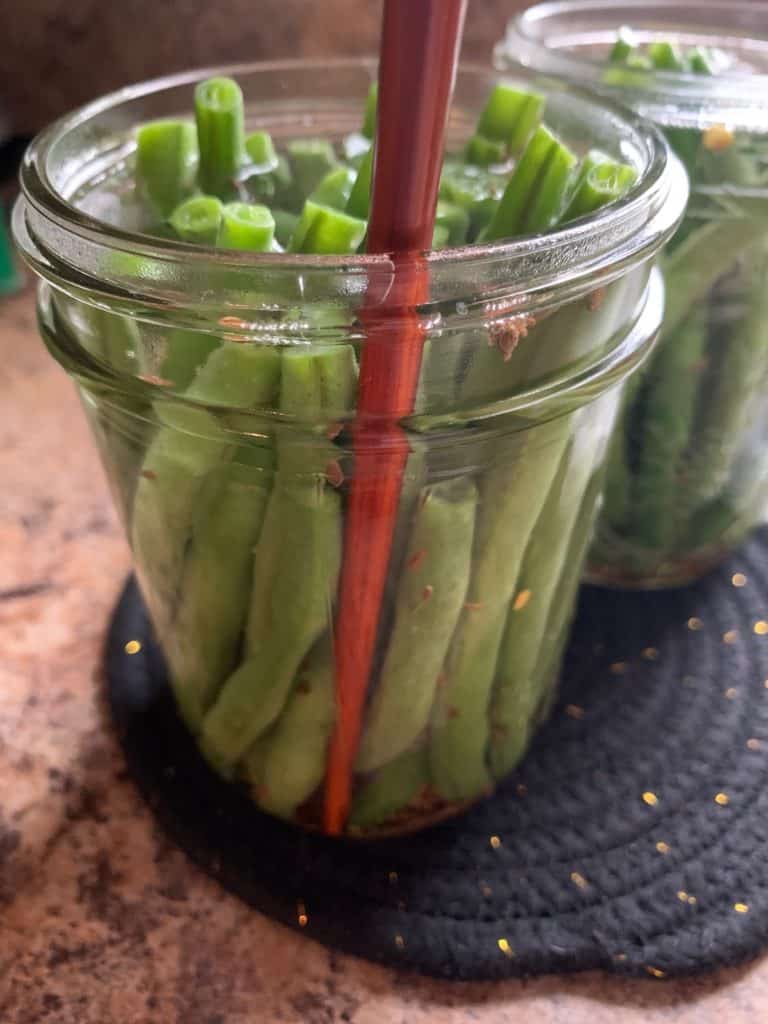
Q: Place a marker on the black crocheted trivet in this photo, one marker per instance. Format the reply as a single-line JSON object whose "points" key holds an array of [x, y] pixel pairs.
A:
{"points": [[633, 838]]}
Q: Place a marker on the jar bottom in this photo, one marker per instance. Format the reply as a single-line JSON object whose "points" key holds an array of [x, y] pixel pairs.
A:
{"points": [[424, 812], [416, 822], [428, 809], [667, 572]]}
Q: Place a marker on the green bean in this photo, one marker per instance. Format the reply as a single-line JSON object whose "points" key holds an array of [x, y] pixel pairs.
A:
{"points": [[335, 188], [296, 565], [260, 150], [544, 690], [601, 183], [430, 596], [552, 190], [166, 162], [369, 118], [295, 576], [191, 441], [273, 185], [736, 373], [624, 46], [246, 226], [510, 116], [455, 219], [413, 484], [220, 134], [285, 225], [391, 789], [290, 760], [485, 152], [618, 475], [202, 643], [360, 195], [198, 219], [693, 267], [673, 381], [323, 230], [531, 613], [310, 161], [700, 61], [481, 213], [511, 493], [666, 56], [182, 353], [535, 193]]}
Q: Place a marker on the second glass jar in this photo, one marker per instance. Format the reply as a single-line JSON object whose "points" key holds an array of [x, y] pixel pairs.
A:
{"points": [[688, 471]]}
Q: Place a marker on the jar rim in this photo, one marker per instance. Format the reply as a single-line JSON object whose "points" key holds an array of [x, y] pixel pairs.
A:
{"points": [[548, 35], [68, 246]]}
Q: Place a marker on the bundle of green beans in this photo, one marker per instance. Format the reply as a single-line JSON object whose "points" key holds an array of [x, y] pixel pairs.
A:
{"points": [[676, 499], [238, 532]]}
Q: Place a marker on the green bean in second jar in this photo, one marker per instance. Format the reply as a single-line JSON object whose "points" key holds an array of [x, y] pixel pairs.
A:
{"points": [[734, 382], [672, 380]]}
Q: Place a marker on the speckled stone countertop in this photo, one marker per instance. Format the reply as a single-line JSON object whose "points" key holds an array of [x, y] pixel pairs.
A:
{"points": [[102, 921]]}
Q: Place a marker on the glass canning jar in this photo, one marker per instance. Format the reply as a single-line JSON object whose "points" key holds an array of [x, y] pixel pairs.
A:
{"points": [[221, 386]]}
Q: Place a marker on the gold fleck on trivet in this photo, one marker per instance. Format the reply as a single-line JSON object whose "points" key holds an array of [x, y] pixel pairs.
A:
{"points": [[301, 915], [495, 842], [505, 948], [662, 847], [650, 653], [695, 623], [760, 627], [132, 647], [717, 138], [753, 744], [731, 693], [579, 880], [650, 798], [739, 579], [722, 799], [730, 636], [741, 908], [655, 972]]}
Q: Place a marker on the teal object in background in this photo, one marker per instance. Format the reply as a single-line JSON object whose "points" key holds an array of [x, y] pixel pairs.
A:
{"points": [[10, 278]]}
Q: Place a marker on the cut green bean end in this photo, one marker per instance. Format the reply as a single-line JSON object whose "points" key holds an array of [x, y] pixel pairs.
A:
{"points": [[246, 226], [198, 219]]}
